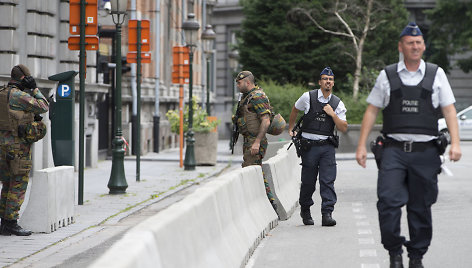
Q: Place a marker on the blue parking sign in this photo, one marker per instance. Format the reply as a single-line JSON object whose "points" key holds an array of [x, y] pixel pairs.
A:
{"points": [[63, 90]]}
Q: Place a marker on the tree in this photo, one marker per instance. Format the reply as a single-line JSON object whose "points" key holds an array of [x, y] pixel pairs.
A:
{"points": [[450, 33], [275, 49], [353, 20]]}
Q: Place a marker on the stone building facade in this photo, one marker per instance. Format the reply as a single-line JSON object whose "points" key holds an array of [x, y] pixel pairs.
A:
{"points": [[35, 33]]}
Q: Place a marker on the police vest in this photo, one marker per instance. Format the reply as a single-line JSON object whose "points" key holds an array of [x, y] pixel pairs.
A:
{"points": [[317, 121], [11, 119], [411, 109]]}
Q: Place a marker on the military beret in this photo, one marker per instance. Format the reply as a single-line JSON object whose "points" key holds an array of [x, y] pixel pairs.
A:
{"points": [[327, 71], [18, 71], [243, 75], [412, 30]]}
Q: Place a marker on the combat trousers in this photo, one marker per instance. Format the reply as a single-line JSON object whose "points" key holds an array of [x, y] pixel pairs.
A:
{"points": [[407, 178], [13, 186], [249, 160], [318, 160]]}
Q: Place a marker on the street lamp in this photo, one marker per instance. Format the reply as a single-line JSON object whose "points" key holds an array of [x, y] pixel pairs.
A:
{"points": [[117, 183], [208, 38], [190, 27], [233, 57]]}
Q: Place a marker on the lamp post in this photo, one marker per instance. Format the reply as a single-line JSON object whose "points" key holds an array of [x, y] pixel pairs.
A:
{"points": [[190, 27], [208, 38], [233, 57], [117, 183]]}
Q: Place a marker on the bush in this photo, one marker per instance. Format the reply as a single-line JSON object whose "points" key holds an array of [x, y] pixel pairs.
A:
{"points": [[200, 120], [283, 97], [356, 108]]}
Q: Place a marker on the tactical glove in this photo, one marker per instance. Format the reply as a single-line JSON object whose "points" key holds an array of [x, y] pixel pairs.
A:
{"points": [[28, 82]]}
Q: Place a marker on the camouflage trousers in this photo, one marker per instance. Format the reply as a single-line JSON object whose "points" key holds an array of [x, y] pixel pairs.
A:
{"points": [[14, 186], [249, 160]]}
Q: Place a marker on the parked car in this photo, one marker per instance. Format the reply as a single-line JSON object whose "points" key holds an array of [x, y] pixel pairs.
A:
{"points": [[464, 119]]}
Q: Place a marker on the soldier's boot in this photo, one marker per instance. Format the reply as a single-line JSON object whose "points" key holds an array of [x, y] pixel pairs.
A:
{"points": [[327, 220], [11, 227], [306, 217]]}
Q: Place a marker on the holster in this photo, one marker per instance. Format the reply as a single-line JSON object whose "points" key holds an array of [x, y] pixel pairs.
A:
{"points": [[298, 146], [334, 140], [377, 147], [441, 143]]}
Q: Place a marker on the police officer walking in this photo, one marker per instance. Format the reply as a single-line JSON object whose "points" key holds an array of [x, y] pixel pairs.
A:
{"points": [[21, 102], [253, 120], [322, 112], [409, 93]]}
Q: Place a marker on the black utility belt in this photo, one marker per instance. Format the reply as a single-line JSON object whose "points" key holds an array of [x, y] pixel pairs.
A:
{"points": [[409, 146], [308, 142]]}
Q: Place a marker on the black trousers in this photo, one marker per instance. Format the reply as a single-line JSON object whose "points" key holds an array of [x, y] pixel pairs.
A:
{"points": [[411, 179], [318, 160]]}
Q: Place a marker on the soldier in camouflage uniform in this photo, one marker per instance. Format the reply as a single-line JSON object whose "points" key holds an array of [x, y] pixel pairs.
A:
{"points": [[21, 102], [253, 121]]}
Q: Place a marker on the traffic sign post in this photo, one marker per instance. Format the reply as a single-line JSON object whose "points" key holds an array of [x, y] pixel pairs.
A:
{"points": [[82, 21], [133, 35], [181, 75], [91, 26], [138, 34]]}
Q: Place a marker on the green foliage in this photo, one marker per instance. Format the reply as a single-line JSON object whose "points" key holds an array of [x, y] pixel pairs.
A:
{"points": [[450, 33], [356, 108], [286, 48], [200, 120], [283, 97], [278, 50], [367, 81]]}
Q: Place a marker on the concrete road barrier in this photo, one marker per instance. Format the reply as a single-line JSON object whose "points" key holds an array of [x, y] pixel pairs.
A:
{"points": [[219, 225], [51, 200], [283, 173]]}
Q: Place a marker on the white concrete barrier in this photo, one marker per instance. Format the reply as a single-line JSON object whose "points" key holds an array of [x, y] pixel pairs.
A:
{"points": [[219, 225], [51, 200], [283, 173]]}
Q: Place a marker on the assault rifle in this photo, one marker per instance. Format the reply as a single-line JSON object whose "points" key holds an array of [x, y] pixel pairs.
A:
{"points": [[235, 130], [296, 140]]}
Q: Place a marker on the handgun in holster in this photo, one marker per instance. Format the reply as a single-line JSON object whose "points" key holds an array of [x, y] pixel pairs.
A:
{"points": [[377, 147], [441, 143]]}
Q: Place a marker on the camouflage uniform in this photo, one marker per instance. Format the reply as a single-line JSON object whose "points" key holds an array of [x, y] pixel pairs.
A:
{"points": [[257, 102], [12, 146]]}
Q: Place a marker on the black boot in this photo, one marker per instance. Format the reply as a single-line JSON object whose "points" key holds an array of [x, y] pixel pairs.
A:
{"points": [[415, 263], [327, 220], [306, 217], [396, 261], [11, 227]]}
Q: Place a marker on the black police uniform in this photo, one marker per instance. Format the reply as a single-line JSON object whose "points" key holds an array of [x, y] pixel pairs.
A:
{"points": [[408, 170], [318, 157]]}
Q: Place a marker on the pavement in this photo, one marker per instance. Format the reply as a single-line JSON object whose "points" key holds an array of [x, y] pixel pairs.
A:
{"points": [[161, 178], [104, 218], [355, 241]]}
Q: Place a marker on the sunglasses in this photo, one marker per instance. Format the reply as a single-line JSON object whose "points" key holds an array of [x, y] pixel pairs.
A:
{"points": [[327, 78]]}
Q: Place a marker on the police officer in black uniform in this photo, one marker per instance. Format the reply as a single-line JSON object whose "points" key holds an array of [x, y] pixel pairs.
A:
{"points": [[322, 112], [409, 93]]}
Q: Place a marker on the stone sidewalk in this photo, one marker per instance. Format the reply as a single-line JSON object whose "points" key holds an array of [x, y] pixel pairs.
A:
{"points": [[161, 177]]}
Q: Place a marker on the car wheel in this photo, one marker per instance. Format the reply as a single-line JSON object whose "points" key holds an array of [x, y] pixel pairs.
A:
{"points": [[445, 132]]}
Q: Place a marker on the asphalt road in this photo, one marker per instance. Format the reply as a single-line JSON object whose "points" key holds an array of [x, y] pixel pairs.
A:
{"points": [[355, 241]]}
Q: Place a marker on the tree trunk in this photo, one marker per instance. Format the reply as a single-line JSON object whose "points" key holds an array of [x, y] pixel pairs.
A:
{"points": [[360, 50]]}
